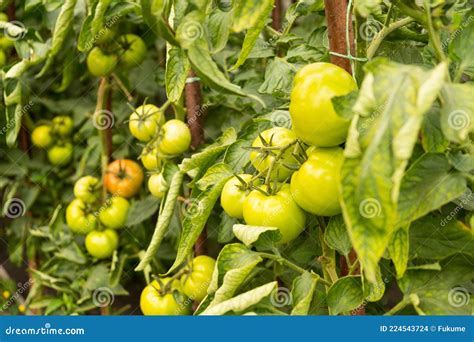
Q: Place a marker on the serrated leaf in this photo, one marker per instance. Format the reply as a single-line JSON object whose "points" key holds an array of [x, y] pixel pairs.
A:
{"points": [[398, 248], [336, 235], [242, 301], [177, 68], [278, 78], [218, 25]]}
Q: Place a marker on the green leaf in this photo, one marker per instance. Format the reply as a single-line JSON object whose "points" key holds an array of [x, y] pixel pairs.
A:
{"points": [[242, 301], [460, 48], [366, 7], [256, 235], [72, 253], [61, 29], [164, 218], [438, 237], [142, 210], [177, 68], [336, 235], [224, 230], [278, 78], [432, 137], [154, 14], [383, 133], [457, 113], [218, 25], [345, 294], [398, 248], [302, 293], [234, 264], [427, 185], [441, 292], [343, 104], [198, 211], [253, 19], [373, 292]]}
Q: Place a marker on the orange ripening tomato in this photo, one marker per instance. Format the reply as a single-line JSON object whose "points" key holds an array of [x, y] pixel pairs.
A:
{"points": [[123, 178]]}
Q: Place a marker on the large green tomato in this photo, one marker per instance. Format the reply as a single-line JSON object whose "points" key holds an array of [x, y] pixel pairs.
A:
{"points": [[151, 159], [114, 213], [279, 210], [145, 121], [62, 125], [176, 137], [100, 63], [78, 219], [315, 186], [102, 244], [156, 301], [3, 59], [41, 136], [133, 50], [6, 43], [87, 189], [312, 113], [198, 278], [233, 195], [275, 137], [157, 185], [60, 155]]}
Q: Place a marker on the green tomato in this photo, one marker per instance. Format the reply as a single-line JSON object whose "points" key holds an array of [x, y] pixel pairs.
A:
{"points": [[102, 244], [275, 137], [315, 186], [114, 213], [105, 36], [100, 63], [133, 50], [312, 113], [176, 137], [196, 282], [157, 185], [279, 210], [6, 43], [78, 219], [157, 301], [86, 189], [60, 155], [62, 125], [41, 136], [151, 159], [233, 195], [3, 59], [145, 121]]}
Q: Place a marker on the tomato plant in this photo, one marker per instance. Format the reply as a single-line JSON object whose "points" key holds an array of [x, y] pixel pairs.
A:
{"points": [[301, 157]]}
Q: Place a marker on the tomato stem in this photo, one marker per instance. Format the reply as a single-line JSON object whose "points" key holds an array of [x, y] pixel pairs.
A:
{"points": [[103, 84]]}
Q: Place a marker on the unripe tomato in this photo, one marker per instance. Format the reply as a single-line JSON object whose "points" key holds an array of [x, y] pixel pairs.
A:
{"points": [[62, 125], [3, 59], [176, 137], [151, 159], [3, 17], [157, 185], [41, 136], [279, 210], [86, 189], [145, 121], [123, 178], [60, 155], [105, 35], [78, 219], [99, 63], [133, 50], [156, 301], [114, 213], [196, 282], [315, 186], [6, 43], [312, 113], [233, 195], [102, 244], [274, 137]]}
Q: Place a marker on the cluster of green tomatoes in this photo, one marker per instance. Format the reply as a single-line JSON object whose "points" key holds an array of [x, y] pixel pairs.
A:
{"points": [[164, 141], [55, 137], [97, 217], [298, 169]]}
